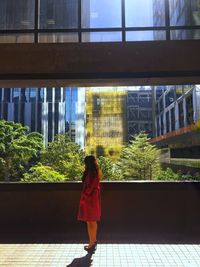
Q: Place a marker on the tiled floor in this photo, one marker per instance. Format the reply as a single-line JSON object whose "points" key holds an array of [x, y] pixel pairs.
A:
{"points": [[107, 254]]}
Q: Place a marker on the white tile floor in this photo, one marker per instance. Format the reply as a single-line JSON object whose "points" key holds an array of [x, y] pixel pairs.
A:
{"points": [[106, 255]]}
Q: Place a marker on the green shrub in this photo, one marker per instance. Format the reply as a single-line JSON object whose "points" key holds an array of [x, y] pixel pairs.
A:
{"points": [[42, 173], [168, 174]]}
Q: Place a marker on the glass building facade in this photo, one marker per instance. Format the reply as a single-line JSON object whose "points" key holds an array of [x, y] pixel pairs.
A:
{"points": [[98, 21], [49, 111]]}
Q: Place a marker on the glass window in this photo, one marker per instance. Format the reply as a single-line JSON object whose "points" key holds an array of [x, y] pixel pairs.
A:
{"points": [[49, 94], [56, 118], [181, 114], [39, 117], [190, 110], [184, 13], [16, 112], [101, 37], [71, 37], [1, 94], [17, 38], [173, 119], [7, 94], [17, 14], [167, 122], [170, 97], [58, 94], [141, 13], [24, 94], [15, 95], [22, 113], [101, 13], [5, 111], [33, 112], [50, 122], [58, 14], [32, 94], [145, 35], [40, 94], [185, 34]]}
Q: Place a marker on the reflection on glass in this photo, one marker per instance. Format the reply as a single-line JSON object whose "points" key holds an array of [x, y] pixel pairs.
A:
{"points": [[32, 94], [17, 38], [184, 13], [17, 14], [58, 14], [58, 37], [49, 94], [140, 13], [7, 93], [159, 13], [145, 35], [185, 34], [101, 14], [24, 94], [40, 94], [15, 94], [57, 94], [101, 37]]}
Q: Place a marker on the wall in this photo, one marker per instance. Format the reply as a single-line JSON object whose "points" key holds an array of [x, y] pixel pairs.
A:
{"points": [[137, 204]]}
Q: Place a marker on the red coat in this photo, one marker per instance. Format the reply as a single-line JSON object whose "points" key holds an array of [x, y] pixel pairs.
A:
{"points": [[90, 202]]}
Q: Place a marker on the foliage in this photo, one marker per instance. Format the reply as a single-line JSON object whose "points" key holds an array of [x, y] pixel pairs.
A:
{"points": [[109, 170], [168, 174], [64, 156], [140, 159], [19, 149], [41, 173]]}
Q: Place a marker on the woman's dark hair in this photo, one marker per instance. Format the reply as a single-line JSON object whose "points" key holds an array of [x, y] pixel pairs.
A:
{"points": [[91, 164]]}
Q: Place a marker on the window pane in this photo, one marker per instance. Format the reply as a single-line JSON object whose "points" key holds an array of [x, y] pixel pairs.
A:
{"points": [[17, 14], [58, 14], [17, 38], [15, 95], [141, 13], [184, 13], [101, 36], [32, 94], [101, 14], [145, 35], [185, 34], [58, 37], [24, 94]]}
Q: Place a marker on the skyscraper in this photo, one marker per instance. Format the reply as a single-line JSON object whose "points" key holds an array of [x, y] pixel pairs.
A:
{"points": [[42, 109]]}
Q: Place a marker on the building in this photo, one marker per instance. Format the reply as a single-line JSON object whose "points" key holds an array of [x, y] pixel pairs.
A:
{"points": [[49, 111], [139, 112], [177, 123], [105, 121]]}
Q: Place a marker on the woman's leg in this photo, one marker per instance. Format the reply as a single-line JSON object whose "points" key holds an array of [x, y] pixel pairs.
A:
{"points": [[92, 232]]}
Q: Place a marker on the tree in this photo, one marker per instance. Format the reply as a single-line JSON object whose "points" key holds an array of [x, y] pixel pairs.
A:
{"points": [[19, 150], [64, 156], [109, 170], [41, 173], [140, 159]]}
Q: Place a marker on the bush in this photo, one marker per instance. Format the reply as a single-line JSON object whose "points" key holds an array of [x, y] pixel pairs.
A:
{"points": [[42, 173]]}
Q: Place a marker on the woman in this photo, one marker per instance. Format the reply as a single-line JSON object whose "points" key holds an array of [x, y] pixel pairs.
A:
{"points": [[90, 205]]}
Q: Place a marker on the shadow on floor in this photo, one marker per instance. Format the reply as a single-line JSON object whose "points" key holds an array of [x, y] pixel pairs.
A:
{"points": [[85, 261]]}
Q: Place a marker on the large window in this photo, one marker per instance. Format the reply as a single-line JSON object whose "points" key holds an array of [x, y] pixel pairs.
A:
{"points": [[52, 21], [116, 124]]}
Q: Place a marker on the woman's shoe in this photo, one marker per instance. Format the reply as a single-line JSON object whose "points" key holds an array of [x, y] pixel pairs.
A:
{"points": [[92, 248]]}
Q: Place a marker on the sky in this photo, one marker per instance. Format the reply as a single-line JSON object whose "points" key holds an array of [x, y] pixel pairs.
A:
{"points": [[104, 13]]}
